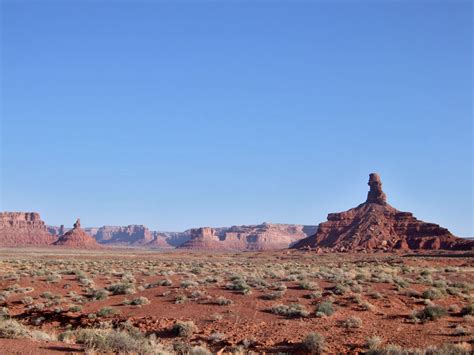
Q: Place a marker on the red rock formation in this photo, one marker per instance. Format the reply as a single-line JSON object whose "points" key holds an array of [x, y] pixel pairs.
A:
{"points": [[77, 238], [377, 225], [23, 229], [204, 238], [132, 235], [265, 236]]}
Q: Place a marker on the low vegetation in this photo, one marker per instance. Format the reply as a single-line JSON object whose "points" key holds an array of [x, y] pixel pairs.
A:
{"points": [[243, 302]]}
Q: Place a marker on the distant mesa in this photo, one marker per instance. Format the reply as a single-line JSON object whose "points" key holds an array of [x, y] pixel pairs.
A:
{"points": [[132, 235], [77, 238], [375, 224], [265, 236], [23, 229]]}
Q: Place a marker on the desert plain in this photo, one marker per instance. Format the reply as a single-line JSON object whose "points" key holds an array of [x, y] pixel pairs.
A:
{"points": [[288, 301]]}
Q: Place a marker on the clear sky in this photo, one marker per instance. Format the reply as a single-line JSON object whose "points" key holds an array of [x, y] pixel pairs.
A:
{"points": [[182, 114]]}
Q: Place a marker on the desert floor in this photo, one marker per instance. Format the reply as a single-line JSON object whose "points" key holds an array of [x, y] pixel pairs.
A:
{"points": [[56, 301]]}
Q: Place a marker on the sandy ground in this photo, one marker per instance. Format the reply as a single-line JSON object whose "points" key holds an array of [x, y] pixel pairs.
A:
{"points": [[248, 319]]}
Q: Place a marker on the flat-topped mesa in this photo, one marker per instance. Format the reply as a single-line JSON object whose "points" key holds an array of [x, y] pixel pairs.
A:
{"points": [[376, 194], [23, 229], [265, 236]]}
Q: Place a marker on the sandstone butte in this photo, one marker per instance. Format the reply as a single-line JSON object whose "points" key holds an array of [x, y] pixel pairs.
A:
{"points": [[375, 224], [23, 229], [77, 238], [266, 236]]}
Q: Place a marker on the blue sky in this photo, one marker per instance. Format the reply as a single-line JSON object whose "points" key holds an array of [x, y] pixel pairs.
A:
{"points": [[182, 114]]}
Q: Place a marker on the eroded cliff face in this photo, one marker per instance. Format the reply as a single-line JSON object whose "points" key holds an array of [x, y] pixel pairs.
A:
{"points": [[376, 225], [23, 229], [132, 235], [266, 236]]}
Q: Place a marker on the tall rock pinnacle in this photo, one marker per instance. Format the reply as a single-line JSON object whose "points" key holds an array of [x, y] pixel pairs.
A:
{"points": [[376, 194], [375, 225]]}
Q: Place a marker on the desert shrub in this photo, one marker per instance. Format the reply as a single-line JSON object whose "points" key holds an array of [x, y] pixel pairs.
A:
{"points": [[240, 285], [376, 295], [216, 337], [48, 295], [313, 295], [292, 310], [400, 282], [431, 313], [140, 301], [107, 311], [4, 313], [467, 310], [165, 282], [222, 301], [314, 343], [339, 289], [11, 329], [366, 306], [27, 300], [188, 284], [460, 330], [53, 278], [447, 349], [279, 286], [432, 294], [373, 343], [116, 341], [184, 329], [180, 299], [412, 293], [99, 295], [352, 322], [75, 308], [199, 350], [307, 285], [273, 295], [122, 289], [36, 307], [325, 308]]}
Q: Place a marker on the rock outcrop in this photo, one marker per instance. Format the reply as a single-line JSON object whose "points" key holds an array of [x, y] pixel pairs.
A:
{"points": [[204, 238], [23, 229], [376, 225], [77, 238], [132, 235], [264, 236]]}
